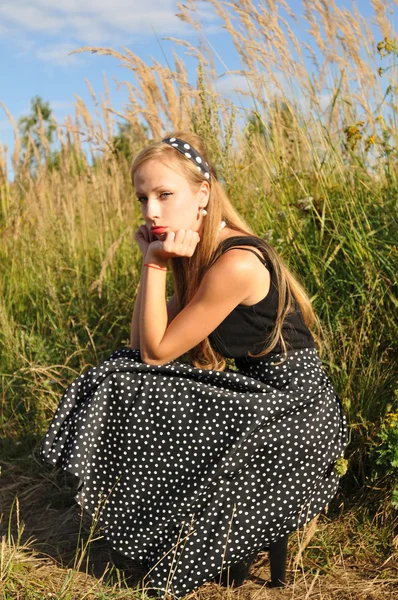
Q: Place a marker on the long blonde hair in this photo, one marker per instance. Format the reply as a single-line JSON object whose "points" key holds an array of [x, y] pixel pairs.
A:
{"points": [[188, 272]]}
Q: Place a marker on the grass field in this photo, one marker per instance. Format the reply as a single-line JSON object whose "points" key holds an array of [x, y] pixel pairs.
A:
{"points": [[310, 159]]}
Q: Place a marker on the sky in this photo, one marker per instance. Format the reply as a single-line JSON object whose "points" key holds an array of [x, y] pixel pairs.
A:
{"points": [[36, 37]]}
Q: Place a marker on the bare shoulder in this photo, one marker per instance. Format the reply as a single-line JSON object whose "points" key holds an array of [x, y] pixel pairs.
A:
{"points": [[234, 260], [229, 271], [238, 273], [238, 266], [243, 259]]}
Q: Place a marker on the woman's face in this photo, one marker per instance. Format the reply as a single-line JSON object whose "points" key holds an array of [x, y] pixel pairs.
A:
{"points": [[167, 199]]}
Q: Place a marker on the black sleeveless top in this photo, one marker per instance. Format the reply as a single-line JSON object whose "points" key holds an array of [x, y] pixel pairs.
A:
{"points": [[247, 328]]}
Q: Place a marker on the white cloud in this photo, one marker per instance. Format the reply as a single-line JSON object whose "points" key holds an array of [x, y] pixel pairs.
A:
{"points": [[57, 54], [29, 17], [213, 29], [4, 30], [61, 105], [88, 21], [23, 45], [232, 84], [56, 28], [325, 100]]}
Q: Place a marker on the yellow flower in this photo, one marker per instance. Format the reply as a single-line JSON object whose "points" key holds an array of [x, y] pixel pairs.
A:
{"points": [[369, 142], [354, 134], [381, 49], [390, 45], [341, 466], [391, 419], [387, 46]]}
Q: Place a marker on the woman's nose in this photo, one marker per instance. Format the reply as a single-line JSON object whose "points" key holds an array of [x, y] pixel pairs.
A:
{"points": [[151, 209]]}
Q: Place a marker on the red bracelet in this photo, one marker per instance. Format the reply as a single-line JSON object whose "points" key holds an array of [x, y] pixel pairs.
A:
{"points": [[155, 267]]}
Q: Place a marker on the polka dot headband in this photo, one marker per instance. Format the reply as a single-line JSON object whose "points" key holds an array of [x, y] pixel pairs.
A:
{"points": [[189, 152]]}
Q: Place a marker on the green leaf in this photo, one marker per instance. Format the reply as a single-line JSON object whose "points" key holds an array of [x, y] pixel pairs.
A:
{"points": [[394, 498]]}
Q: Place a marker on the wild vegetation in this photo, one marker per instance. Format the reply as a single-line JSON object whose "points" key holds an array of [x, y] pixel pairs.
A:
{"points": [[307, 149]]}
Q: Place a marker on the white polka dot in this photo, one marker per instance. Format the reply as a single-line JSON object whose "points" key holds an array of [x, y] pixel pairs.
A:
{"points": [[176, 452]]}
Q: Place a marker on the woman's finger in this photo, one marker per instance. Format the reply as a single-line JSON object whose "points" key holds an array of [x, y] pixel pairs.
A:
{"points": [[185, 242]]}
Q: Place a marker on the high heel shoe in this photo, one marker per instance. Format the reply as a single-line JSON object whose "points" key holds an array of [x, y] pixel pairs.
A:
{"points": [[236, 574], [277, 558]]}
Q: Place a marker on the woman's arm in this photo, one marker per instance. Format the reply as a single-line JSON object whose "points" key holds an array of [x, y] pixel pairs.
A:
{"points": [[135, 321], [232, 279], [172, 311], [144, 238]]}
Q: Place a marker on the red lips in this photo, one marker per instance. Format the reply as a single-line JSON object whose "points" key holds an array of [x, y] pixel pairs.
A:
{"points": [[158, 229]]}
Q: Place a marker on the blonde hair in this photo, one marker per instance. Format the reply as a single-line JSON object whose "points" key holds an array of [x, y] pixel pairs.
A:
{"points": [[188, 272]]}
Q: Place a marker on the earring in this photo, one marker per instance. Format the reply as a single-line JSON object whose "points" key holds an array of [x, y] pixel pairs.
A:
{"points": [[204, 212]]}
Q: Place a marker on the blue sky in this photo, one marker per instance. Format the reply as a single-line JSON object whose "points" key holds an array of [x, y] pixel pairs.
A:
{"points": [[36, 37]]}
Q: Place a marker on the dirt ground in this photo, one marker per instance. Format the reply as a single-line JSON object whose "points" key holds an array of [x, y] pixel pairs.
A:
{"points": [[55, 533]]}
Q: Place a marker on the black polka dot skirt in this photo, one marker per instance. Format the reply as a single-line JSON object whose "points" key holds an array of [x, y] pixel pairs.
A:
{"points": [[188, 470]]}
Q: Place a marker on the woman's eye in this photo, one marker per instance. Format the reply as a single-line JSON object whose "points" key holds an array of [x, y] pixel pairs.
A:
{"points": [[161, 195]]}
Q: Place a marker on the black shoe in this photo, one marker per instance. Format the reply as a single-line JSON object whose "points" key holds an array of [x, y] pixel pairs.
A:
{"points": [[133, 570], [277, 558], [275, 584], [236, 574]]}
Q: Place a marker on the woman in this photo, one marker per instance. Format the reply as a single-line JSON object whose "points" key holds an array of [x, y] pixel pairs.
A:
{"points": [[191, 468]]}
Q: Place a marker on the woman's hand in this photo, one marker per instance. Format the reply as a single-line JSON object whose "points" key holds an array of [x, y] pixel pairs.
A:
{"points": [[144, 237], [176, 243]]}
